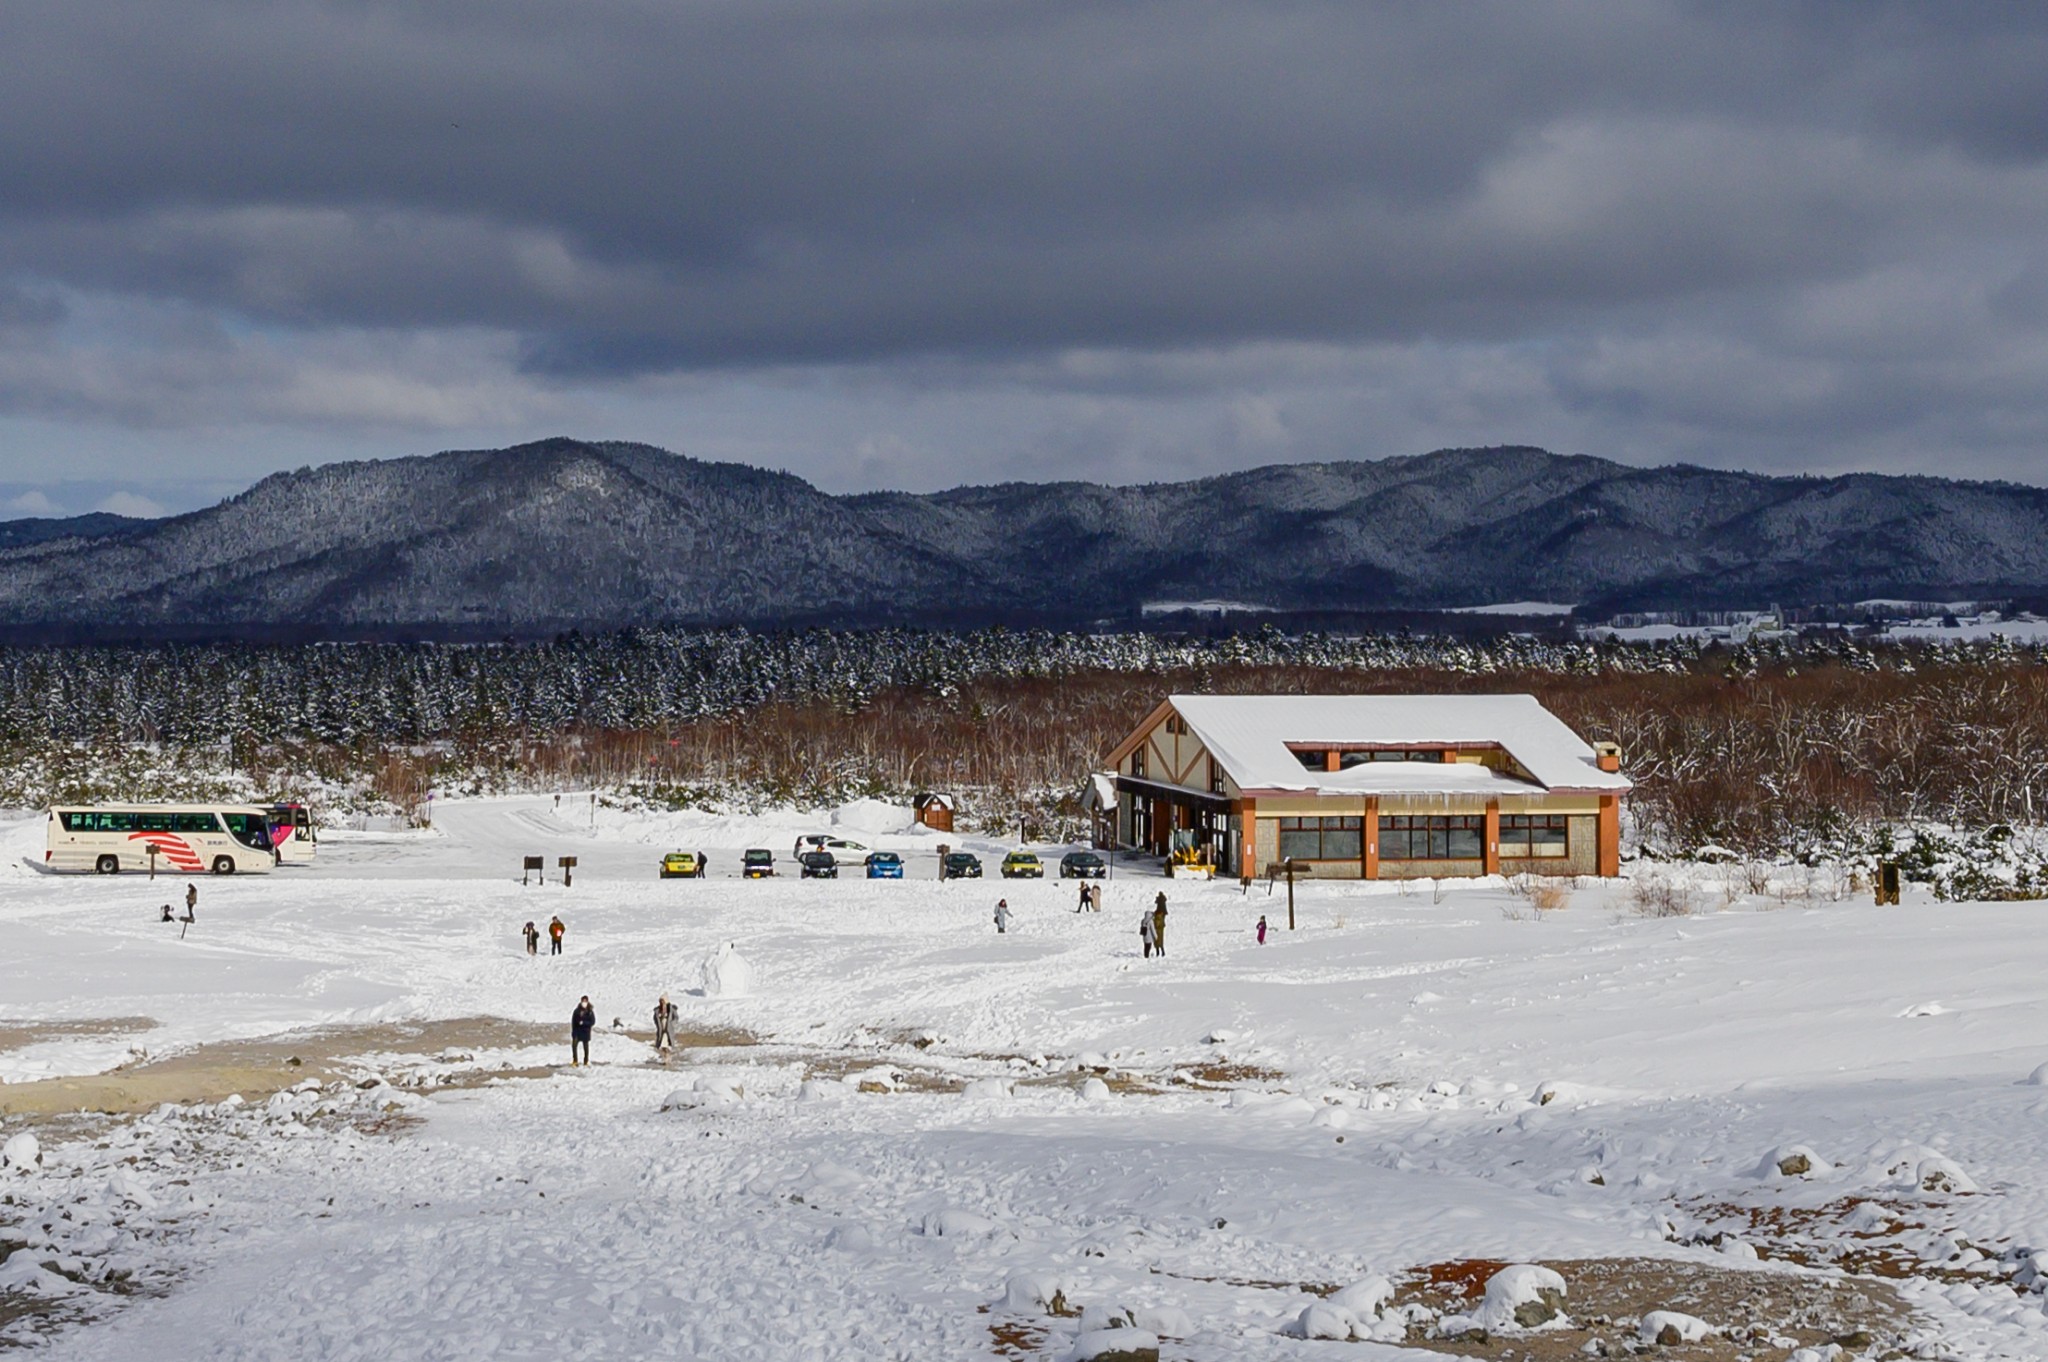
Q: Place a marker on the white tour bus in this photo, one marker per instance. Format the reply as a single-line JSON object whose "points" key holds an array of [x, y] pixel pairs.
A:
{"points": [[292, 835], [190, 838]]}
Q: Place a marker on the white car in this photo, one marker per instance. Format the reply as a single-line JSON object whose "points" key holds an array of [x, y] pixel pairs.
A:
{"points": [[844, 852]]}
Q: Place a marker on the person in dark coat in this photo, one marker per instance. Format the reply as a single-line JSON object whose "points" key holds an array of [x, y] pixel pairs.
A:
{"points": [[1159, 927], [532, 935], [664, 1026], [191, 903], [581, 1023]]}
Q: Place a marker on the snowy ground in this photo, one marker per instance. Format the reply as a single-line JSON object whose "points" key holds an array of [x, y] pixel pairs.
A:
{"points": [[916, 1153]]}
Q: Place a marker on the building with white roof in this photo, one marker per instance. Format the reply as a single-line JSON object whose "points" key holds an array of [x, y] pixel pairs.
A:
{"points": [[1371, 786]]}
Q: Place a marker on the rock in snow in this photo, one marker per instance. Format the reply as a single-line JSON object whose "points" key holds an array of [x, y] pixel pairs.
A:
{"points": [[1669, 1327], [21, 1152], [1132, 1343]]}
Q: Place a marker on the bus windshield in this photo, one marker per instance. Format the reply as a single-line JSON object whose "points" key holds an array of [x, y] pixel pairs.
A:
{"points": [[248, 829]]}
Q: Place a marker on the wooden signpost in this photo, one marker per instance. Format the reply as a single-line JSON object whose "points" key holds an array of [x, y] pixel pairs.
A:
{"points": [[534, 863]]}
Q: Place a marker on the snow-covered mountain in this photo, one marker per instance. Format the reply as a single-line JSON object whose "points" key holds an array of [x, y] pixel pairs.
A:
{"points": [[563, 533]]}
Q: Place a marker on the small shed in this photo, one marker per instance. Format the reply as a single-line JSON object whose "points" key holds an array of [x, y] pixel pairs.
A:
{"points": [[934, 811], [1098, 797]]}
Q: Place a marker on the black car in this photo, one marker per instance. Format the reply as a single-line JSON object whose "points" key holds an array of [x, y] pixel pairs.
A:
{"points": [[1082, 865], [819, 865], [960, 865], [757, 864]]}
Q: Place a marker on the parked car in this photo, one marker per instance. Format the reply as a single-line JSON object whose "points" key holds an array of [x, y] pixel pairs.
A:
{"points": [[960, 865], [683, 865], [757, 864], [844, 851], [1022, 865], [819, 865], [1082, 865], [884, 865]]}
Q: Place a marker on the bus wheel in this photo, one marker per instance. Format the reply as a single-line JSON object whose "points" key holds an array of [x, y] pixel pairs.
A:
{"points": [[108, 865], [223, 865]]}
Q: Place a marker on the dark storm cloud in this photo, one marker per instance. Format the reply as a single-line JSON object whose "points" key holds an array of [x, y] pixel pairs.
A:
{"points": [[1798, 216]]}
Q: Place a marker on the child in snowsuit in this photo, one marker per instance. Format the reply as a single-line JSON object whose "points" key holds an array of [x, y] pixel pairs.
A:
{"points": [[581, 1023]]}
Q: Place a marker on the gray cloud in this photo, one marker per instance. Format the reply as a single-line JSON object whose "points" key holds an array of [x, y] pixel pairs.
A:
{"points": [[911, 243]]}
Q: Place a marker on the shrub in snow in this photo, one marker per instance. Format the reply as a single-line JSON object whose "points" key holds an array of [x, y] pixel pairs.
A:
{"points": [[1521, 1296], [710, 1091], [1792, 1161], [954, 1223], [1167, 1321], [1028, 1293], [851, 1239], [727, 974], [1669, 1328], [22, 1152], [1365, 1298], [1324, 1320], [1094, 1090], [1113, 1345], [1938, 1174]]}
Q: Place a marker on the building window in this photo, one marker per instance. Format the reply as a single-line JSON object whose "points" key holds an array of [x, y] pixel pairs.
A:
{"points": [[1534, 834], [1322, 839], [1176, 725], [1138, 760], [1312, 758], [1215, 776], [1405, 837]]}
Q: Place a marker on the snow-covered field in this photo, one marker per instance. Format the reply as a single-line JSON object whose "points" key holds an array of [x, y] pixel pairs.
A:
{"points": [[942, 1128]]}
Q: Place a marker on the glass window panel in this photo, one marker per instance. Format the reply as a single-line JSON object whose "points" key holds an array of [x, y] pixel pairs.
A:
{"points": [[1299, 846], [1342, 844]]}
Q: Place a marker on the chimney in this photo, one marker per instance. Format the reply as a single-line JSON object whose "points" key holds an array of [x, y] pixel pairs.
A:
{"points": [[1607, 756]]}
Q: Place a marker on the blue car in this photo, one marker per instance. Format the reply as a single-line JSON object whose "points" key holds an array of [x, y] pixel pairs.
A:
{"points": [[884, 865]]}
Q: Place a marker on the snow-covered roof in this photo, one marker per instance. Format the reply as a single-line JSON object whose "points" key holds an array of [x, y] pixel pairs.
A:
{"points": [[1102, 789], [1252, 736]]}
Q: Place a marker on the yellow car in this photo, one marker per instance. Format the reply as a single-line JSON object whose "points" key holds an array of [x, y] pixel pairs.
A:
{"points": [[683, 865], [1022, 865]]}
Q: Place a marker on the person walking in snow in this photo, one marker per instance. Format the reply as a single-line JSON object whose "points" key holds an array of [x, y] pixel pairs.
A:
{"points": [[1145, 937], [581, 1023], [555, 930], [1159, 927], [664, 1026], [532, 935], [1082, 907], [1002, 916], [191, 903], [1262, 929]]}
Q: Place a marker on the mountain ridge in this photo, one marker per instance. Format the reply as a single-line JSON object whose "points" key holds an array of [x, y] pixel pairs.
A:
{"points": [[563, 533]]}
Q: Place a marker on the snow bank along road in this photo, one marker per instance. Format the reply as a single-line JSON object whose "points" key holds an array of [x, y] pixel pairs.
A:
{"points": [[947, 1133]]}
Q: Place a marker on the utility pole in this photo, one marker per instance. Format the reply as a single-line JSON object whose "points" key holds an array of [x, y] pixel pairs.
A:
{"points": [[1290, 893]]}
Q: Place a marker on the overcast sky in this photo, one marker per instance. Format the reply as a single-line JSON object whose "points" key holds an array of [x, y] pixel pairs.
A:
{"points": [[916, 245]]}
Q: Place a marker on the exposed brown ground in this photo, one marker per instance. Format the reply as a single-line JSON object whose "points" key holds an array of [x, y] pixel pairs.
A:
{"points": [[1607, 1296], [258, 1068]]}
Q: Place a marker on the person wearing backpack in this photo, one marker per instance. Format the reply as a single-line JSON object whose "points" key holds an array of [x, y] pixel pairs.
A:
{"points": [[581, 1023]]}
